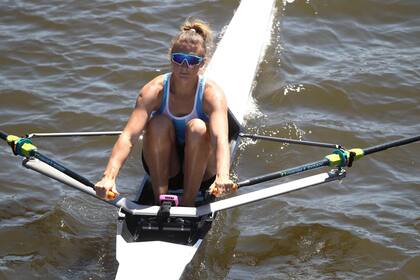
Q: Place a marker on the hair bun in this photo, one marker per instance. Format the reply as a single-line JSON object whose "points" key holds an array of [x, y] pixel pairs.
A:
{"points": [[198, 26], [193, 30]]}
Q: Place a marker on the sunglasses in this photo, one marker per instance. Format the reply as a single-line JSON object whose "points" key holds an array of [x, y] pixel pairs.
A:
{"points": [[191, 60]]}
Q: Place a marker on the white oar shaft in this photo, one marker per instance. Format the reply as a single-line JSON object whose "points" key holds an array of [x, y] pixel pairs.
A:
{"points": [[137, 209], [269, 192], [243, 199], [47, 170]]}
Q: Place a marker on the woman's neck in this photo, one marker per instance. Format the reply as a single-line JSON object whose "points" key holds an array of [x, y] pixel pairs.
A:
{"points": [[183, 87]]}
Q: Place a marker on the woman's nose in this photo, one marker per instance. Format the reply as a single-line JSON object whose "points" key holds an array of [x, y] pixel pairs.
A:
{"points": [[185, 63]]}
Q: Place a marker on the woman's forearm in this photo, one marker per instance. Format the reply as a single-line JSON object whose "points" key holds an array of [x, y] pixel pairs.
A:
{"points": [[222, 158], [119, 154]]}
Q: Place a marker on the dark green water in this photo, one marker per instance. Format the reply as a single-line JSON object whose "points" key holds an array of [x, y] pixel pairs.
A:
{"points": [[336, 71]]}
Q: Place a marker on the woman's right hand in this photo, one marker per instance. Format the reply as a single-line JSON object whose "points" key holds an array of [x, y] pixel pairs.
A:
{"points": [[222, 185], [106, 188]]}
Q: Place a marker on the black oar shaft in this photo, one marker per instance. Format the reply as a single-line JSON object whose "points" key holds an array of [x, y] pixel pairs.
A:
{"points": [[284, 173], [391, 144], [323, 162], [3, 135], [64, 169], [290, 141]]}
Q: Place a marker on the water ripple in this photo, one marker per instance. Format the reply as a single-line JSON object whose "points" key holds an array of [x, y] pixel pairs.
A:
{"points": [[336, 71]]}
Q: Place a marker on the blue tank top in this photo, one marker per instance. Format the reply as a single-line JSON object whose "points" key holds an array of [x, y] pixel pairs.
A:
{"points": [[180, 123]]}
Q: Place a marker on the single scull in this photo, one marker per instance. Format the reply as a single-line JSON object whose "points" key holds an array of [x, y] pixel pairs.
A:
{"points": [[145, 239], [150, 238]]}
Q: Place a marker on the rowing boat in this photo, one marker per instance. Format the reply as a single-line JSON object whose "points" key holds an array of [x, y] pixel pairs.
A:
{"points": [[152, 241], [177, 235], [151, 237]]}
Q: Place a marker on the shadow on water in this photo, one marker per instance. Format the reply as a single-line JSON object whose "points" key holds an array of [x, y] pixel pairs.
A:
{"points": [[216, 255]]}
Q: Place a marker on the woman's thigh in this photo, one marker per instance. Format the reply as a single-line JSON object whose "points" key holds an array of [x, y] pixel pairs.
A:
{"points": [[160, 139]]}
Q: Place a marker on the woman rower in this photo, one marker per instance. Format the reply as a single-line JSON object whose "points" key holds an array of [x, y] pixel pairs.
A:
{"points": [[184, 119]]}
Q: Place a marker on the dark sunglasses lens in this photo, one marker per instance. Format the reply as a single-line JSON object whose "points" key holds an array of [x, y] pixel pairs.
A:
{"points": [[193, 60], [178, 58]]}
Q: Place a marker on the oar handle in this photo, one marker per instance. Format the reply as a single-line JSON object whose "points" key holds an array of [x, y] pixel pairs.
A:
{"points": [[111, 195], [215, 191]]}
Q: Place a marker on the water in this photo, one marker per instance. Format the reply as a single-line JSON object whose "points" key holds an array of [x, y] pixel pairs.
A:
{"points": [[336, 71]]}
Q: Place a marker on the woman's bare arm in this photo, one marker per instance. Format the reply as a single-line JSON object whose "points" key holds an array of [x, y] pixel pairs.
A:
{"points": [[147, 101]]}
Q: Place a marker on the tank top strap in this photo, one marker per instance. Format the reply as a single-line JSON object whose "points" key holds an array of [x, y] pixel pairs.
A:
{"points": [[164, 102], [199, 99]]}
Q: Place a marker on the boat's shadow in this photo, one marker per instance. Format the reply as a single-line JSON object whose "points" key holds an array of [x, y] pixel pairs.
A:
{"points": [[216, 254]]}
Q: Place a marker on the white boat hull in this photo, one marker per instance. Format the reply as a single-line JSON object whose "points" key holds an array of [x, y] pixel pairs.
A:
{"points": [[153, 259], [242, 46]]}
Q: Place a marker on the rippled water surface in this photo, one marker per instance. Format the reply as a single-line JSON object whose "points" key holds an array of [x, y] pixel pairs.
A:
{"points": [[336, 71]]}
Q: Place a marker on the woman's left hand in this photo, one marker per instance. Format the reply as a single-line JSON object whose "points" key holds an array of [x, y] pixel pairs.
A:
{"points": [[222, 185]]}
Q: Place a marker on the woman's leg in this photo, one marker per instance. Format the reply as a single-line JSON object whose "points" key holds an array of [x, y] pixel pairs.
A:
{"points": [[196, 160], [159, 150]]}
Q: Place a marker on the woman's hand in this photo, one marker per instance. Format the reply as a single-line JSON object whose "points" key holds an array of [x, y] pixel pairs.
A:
{"points": [[106, 188], [222, 185]]}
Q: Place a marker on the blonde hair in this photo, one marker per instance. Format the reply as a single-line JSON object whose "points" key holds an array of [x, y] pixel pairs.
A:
{"points": [[194, 31]]}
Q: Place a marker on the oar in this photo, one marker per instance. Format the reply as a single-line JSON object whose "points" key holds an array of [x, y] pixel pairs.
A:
{"points": [[73, 134], [290, 141], [390, 144], [339, 158], [24, 147]]}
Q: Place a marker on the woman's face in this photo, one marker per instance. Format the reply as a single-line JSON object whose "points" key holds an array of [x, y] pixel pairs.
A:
{"points": [[184, 71]]}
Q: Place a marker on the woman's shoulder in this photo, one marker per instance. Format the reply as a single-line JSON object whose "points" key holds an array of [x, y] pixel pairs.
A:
{"points": [[213, 96], [154, 86], [150, 94], [213, 90]]}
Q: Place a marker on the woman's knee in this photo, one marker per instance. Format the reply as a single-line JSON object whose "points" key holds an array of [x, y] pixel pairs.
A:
{"points": [[159, 126], [196, 129]]}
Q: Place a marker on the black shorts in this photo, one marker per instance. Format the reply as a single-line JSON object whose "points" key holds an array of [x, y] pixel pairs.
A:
{"points": [[177, 182]]}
